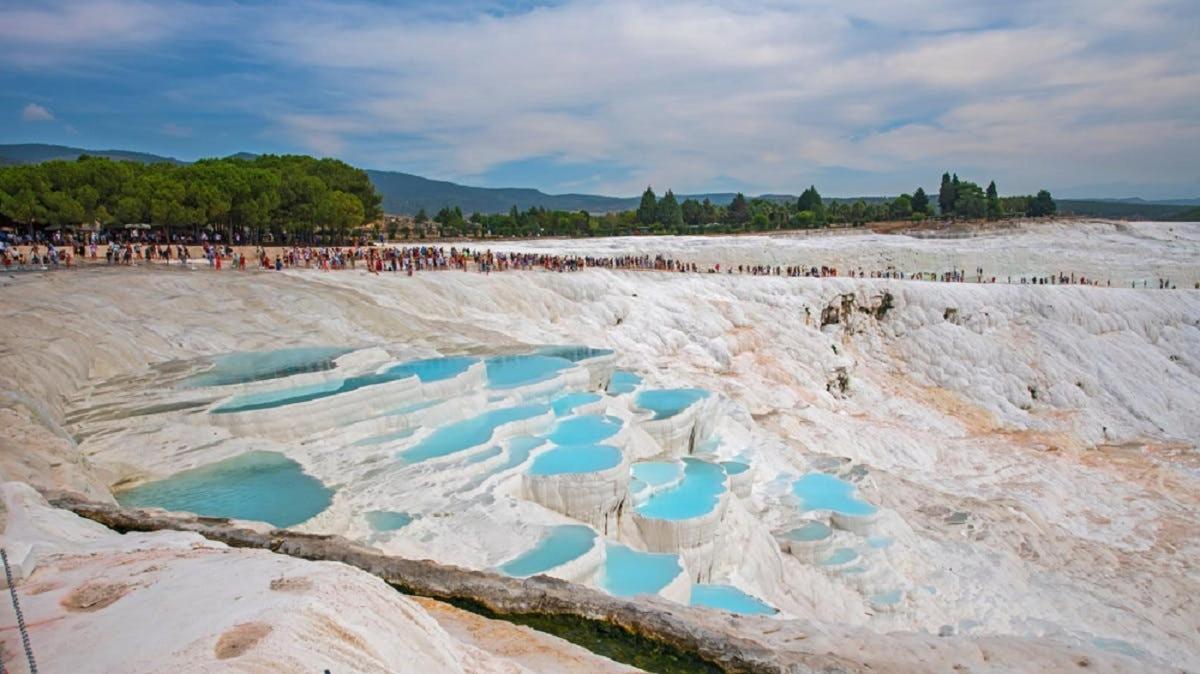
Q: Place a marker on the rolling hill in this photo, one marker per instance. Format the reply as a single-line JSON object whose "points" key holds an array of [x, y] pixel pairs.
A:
{"points": [[35, 153], [408, 193]]}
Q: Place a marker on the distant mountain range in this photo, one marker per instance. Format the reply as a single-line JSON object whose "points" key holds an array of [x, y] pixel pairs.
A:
{"points": [[35, 153], [408, 193]]}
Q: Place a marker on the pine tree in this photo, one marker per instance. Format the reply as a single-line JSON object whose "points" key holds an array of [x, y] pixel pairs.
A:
{"points": [[920, 201], [647, 212], [810, 200], [739, 210], [946, 195], [994, 209], [669, 212], [1042, 205]]}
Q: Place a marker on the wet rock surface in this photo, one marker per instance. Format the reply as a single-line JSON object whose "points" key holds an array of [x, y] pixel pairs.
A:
{"points": [[730, 643]]}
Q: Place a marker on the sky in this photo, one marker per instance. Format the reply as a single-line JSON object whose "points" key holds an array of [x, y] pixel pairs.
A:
{"points": [[1084, 97]]}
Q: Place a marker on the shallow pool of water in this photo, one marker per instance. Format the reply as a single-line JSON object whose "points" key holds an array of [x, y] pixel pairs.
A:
{"points": [[628, 572], [262, 486], [584, 430], [666, 403], [735, 467], [561, 545], [811, 531], [435, 368], [574, 353], [890, 598], [657, 473], [249, 366], [432, 369], [480, 457], [623, 382], [516, 454], [821, 491], [565, 404], [512, 371], [695, 495], [729, 598], [467, 433], [388, 520], [575, 459]]}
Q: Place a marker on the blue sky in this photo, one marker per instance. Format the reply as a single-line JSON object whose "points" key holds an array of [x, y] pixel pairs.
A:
{"points": [[1085, 97]]}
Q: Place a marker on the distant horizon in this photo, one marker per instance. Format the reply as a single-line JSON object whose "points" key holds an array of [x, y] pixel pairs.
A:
{"points": [[1193, 196]]}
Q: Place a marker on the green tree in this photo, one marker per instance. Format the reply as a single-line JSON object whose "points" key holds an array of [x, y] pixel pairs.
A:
{"points": [[969, 200], [24, 207], [994, 208], [738, 212], [920, 201], [341, 211], [810, 200], [669, 212], [1042, 205], [647, 212], [946, 196], [693, 212]]}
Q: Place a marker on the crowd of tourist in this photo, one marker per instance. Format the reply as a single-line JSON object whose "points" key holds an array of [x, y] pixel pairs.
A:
{"points": [[417, 258]]}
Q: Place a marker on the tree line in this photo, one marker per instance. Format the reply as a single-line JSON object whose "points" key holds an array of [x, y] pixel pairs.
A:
{"points": [[297, 198], [668, 215], [292, 197]]}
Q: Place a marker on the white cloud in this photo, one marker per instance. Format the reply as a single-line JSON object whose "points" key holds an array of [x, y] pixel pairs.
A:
{"points": [[36, 113], [71, 32], [774, 94]]}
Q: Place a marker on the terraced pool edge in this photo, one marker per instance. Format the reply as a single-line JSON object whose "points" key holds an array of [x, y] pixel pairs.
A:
{"points": [[611, 626]]}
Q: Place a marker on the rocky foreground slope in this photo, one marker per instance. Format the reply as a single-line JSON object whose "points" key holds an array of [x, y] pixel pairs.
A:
{"points": [[1032, 450]]}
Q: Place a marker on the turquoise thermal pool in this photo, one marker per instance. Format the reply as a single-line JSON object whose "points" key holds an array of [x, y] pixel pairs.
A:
{"points": [[262, 486], [735, 467], [251, 366], [666, 403], [563, 544], [584, 430], [432, 369], [839, 557], [517, 453], [820, 491], [623, 382], [565, 404], [657, 473], [697, 494], [628, 572], [468, 433], [812, 531], [574, 353], [576, 459], [729, 598], [388, 520], [512, 371]]}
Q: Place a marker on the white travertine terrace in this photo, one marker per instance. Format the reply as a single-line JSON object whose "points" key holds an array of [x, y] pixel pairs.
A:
{"points": [[1031, 453], [593, 497]]}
